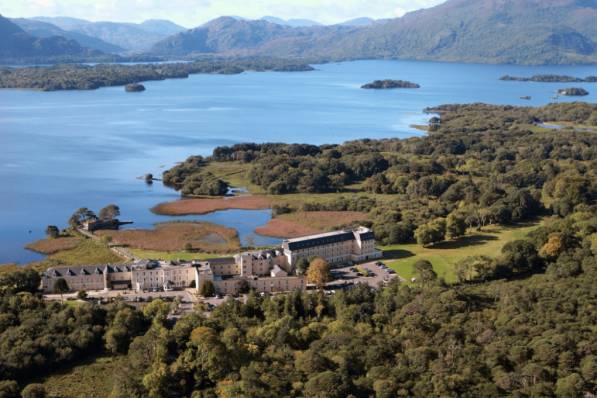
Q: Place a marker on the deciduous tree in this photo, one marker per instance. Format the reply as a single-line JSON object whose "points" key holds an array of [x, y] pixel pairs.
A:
{"points": [[319, 273]]}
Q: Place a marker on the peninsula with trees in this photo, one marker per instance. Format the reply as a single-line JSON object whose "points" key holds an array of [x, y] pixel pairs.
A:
{"points": [[85, 77], [425, 189]]}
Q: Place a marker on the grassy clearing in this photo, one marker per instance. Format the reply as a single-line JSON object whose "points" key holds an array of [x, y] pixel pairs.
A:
{"points": [[446, 255], [308, 222], [11, 267], [87, 252], [94, 378], [235, 174], [173, 255], [51, 246], [175, 236]]}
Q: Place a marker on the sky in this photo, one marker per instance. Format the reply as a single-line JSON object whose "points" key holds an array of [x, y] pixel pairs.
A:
{"points": [[191, 13]]}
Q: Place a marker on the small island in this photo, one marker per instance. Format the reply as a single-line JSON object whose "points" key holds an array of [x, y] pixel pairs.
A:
{"points": [[573, 92], [134, 88], [550, 79], [388, 84]]}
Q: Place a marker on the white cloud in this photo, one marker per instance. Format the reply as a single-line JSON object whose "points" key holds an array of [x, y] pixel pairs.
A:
{"points": [[191, 13]]}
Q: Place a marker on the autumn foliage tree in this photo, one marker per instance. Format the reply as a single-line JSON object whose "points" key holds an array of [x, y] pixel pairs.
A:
{"points": [[319, 273]]}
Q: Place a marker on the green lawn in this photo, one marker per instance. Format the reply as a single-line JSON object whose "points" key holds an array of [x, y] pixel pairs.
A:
{"points": [[169, 256], [444, 256], [234, 173], [93, 378], [87, 252]]}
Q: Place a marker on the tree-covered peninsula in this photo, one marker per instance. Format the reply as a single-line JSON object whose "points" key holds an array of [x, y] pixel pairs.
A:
{"points": [[479, 165], [85, 77]]}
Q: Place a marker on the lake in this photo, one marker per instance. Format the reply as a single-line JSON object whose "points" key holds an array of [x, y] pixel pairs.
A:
{"points": [[64, 150]]}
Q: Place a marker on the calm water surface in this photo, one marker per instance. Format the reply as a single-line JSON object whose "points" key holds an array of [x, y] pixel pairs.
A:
{"points": [[64, 150]]}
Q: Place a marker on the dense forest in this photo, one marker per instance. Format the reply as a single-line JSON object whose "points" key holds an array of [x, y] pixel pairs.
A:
{"points": [[529, 334], [85, 77], [479, 164]]}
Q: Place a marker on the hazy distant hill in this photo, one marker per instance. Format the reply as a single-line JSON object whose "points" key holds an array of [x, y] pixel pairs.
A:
{"points": [[129, 36], [161, 27], [358, 22], [245, 37], [44, 29], [489, 31], [296, 23], [16, 44]]}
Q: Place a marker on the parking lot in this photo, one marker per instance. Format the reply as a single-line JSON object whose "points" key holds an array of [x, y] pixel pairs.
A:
{"points": [[374, 274]]}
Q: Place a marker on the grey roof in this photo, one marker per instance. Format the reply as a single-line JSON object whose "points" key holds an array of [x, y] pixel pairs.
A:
{"points": [[367, 235], [85, 270], [319, 240], [221, 261]]}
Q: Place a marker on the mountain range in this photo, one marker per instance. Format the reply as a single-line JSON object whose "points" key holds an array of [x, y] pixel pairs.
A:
{"points": [[45, 30], [18, 44], [485, 31], [128, 36]]}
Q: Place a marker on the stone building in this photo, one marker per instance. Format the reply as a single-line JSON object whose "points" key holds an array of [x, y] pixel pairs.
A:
{"points": [[91, 277], [267, 271], [336, 247]]}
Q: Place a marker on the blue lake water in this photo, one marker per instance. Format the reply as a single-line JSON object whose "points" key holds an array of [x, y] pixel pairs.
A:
{"points": [[64, 150]]}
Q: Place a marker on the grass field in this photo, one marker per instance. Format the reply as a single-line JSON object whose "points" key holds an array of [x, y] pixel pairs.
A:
{"points": [[235, 174], [51, 246], [94, 378], [10, 267], [308, 222], [175, 236], [173, 255], [86, 252], [446, 255], [185, 207]]}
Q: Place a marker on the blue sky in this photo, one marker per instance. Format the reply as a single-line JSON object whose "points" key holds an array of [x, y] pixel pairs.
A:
{"points": [[192, 13]]}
